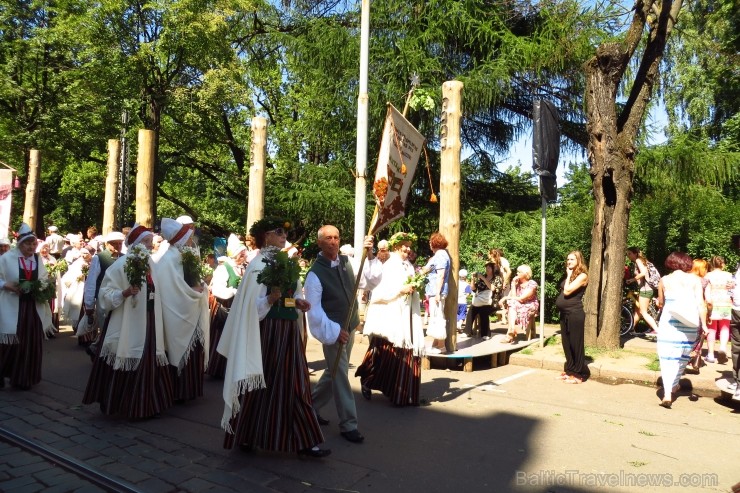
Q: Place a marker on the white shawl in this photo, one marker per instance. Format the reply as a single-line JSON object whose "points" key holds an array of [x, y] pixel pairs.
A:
{"points": [[185, 315], [240, 343], [392, 315], [9, 272], [126, 334]]}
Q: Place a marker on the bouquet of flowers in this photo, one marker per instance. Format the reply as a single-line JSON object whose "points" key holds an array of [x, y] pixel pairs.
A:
{"points": [[418, 281], [191, 266], [42, 290], [281, 271], [206, 271], [83, 273], [136, 267], [61, 267]]}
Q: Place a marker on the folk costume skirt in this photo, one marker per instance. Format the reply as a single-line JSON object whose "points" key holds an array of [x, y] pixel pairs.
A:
{"points": [[216, 361], [188, 382], [140, 393], [21, 360], [392, 370], [279, 417]]}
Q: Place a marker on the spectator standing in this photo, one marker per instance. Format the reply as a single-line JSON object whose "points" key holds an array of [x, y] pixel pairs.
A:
{"points": [[480, 307], [440, 264], [573, 318], [719, 298], [463, 291], [735, 324], [4, 246]]}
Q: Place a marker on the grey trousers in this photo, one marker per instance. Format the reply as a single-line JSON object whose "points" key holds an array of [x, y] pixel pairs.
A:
{"points": [[337, 387]]}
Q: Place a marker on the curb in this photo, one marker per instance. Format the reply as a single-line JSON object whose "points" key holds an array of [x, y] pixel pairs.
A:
{"points": [[608, 372]]}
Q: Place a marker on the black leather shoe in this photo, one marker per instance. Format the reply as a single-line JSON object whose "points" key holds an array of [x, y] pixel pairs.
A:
{"points": [[322, 421], [316, 453], [366, 392], [353, 436]]}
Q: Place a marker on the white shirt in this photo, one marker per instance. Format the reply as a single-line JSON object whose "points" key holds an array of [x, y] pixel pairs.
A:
{"points": [[321, 326]]}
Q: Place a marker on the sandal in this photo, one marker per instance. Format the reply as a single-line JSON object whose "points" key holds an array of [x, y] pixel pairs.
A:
{"points": [[562, 376], [572, 379]]}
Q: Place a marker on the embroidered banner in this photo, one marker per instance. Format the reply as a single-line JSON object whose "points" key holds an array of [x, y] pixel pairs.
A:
{"points": [[400, 149], [6, 195]]}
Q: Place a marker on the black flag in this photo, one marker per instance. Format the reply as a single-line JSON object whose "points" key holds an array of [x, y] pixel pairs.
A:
{"points": [[546, 147]]}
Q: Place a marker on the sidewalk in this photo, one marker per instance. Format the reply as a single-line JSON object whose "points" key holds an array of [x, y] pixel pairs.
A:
{"points": [[635, 363]]}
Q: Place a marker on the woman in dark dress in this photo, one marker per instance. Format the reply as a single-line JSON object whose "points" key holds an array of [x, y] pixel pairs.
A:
{"points": [[572, 318]]}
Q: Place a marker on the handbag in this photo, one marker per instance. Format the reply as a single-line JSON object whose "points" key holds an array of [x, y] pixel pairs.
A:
{"points": [[437, 328]]}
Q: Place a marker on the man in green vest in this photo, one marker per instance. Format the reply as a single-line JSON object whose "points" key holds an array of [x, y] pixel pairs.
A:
{"points": [[329, 289]]}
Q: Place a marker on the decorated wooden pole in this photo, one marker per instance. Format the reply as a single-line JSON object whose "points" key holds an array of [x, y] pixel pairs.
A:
{"points": [[30, 210], [449, 190], [111, 186], [145, 179], [256, 197]]}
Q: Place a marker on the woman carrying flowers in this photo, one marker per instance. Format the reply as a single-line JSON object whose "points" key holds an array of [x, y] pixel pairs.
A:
{"points": [[24, 312], [130, 374], [267, 392], [185, 319], [392, 363], [226, 278], [73, 282]]}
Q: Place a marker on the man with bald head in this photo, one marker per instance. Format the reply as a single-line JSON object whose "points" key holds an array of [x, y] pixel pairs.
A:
{"points": [[329, 289]]}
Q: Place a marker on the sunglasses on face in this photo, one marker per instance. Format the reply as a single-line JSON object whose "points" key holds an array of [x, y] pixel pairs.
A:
{"points": [[277, 231]]}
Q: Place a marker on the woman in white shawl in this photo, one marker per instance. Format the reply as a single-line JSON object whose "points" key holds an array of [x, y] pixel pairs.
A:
{"points": [[130, 374], [267, 391], [23, 320], [185, 318], [73, 282], [392, 363]]}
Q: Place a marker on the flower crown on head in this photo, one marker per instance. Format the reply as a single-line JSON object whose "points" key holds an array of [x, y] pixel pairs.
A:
{"points": [[401, 237], [268, 224]]}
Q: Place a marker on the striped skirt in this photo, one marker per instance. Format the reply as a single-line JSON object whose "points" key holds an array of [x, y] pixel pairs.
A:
{"points": [[279, 417], [141, 393], [21, 361], [216, 361], [675, 341], [392, 370], [188, 383]]}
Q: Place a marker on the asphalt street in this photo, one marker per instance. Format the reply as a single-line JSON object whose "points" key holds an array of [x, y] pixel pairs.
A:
{"points": [[510, 428]]}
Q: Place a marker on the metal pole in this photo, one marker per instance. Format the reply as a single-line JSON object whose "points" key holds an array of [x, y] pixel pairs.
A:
{"points": [[362, 112], [542, 273]]}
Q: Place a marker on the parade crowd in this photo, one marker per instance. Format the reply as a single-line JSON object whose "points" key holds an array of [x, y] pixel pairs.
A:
{"points": [[155, 316]]}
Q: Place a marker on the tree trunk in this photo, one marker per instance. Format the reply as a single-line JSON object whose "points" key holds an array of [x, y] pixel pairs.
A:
{"points": [[611, 152]]}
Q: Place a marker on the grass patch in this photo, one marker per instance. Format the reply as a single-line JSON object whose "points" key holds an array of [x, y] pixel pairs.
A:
{"points": [[527, 350], [647, 433], [552, 340], [613, 422], [654, 363], [637, 463]]}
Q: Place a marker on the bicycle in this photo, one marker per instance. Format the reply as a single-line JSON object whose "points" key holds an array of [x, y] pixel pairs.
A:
{"points": [[627, 315]]}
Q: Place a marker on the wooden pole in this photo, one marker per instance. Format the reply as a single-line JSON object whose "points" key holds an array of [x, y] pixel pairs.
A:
{"points": [[145, 179], [256, 198], [449, 191], [30, 210], [111, 186]]}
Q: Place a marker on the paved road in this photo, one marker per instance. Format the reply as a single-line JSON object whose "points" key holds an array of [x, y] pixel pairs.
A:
{"points": [[504, 429]]}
